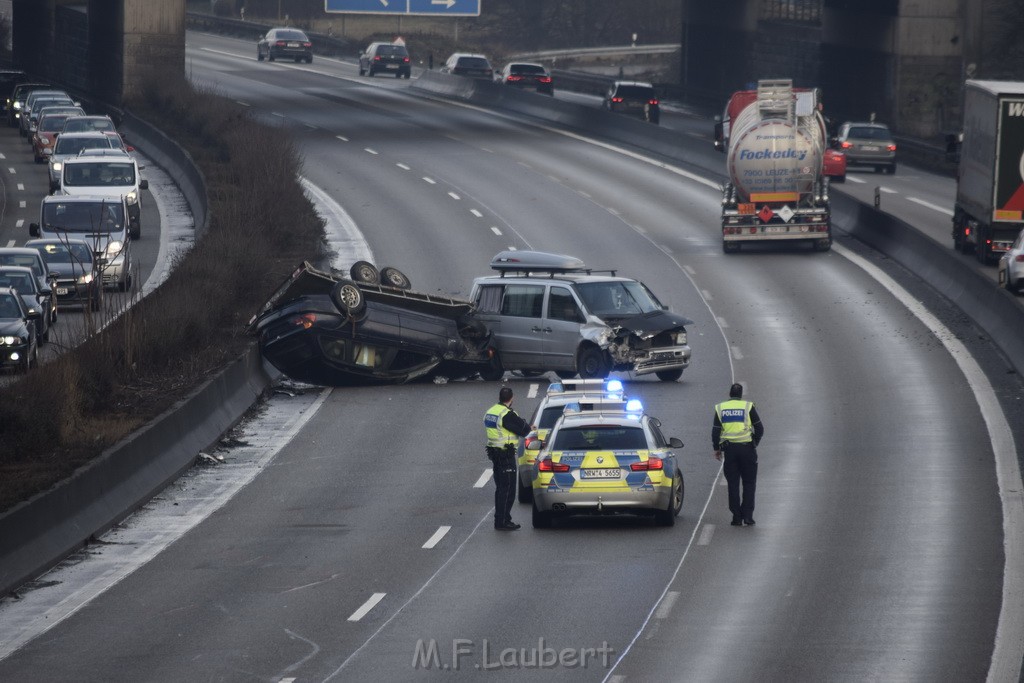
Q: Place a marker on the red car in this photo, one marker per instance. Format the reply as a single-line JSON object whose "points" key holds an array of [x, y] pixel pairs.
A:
{"points": [[833, 164]]}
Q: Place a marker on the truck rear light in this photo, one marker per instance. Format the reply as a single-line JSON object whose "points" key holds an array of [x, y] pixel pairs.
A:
{"points": [[653, 463], [753, 231], [546, 465]]}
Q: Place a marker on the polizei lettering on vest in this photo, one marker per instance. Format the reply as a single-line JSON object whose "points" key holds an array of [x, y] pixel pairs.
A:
{"points": [[767, 153], [734, 413]]}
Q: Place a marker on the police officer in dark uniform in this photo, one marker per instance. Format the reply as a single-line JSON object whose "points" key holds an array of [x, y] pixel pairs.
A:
{"points": [[504, 428], [737, 431]]}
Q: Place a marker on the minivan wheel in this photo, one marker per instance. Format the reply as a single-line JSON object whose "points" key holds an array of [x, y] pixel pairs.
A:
{"points": [[669, 375], [592, 363]]}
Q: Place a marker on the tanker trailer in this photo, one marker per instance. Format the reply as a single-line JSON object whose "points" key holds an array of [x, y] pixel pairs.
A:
{"points": [[776, 191]]}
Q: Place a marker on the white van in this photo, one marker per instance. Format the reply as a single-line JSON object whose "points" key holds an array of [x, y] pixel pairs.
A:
{"points": [[106, 173], [100, 221]]}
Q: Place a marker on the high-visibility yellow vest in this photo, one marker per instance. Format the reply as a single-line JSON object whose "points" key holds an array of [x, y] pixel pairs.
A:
{"points": [[497, 435], [735, 418]]}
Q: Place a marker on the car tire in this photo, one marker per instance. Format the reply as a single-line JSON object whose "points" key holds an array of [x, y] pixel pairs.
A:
{"points": [[393, 277], [839, 178], [542, 520], [371, 73], [822, 245], [365, 273], [592, 363], [730, 247], [298, 60], [348, 298], [525, 492], [668, 516], [259, 55], [362, 71], [309, 60], [669, 375], [1011, 286], [270, 56], [45, 335]]}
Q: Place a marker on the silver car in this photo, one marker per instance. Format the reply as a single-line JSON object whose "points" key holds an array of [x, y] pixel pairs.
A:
{"points": [[867, 144], [608, 459], [550, 312], [1011, 266], [70, 145]]}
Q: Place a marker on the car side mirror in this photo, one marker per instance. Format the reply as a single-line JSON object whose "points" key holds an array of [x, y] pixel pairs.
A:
{"points": [[129, 148], [53, 276], [674, 442], [33, 229], [143, 184], [33, 314]]}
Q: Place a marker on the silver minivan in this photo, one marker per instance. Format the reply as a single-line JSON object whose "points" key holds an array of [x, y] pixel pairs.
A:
{"points": [[107, 173], [100, 221], [550, 312]]}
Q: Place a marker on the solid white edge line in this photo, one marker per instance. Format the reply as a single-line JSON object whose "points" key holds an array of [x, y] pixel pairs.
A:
{"points": [[482, 481], [1008, 652], [489, 514], [436, 538], [367, 606]]}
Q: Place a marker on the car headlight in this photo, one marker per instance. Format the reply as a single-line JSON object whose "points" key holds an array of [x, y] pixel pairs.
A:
{"points": [[131, 197], [56, 166], [17, 106], [113, 248], [680, 338], [44, 140], [85, 279], [10, 340]]}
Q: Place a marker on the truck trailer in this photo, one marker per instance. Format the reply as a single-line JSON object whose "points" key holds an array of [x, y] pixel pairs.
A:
{"points": [[775, 146], [989, 210]]}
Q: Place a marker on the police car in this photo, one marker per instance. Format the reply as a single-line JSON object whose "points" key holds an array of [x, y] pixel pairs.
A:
{"points": [[550, 408], [610, 458]]}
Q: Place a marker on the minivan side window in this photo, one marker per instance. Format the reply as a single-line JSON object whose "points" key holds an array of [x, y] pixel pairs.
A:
{"points": [[523, 301], [561, 306], [489, 299]]}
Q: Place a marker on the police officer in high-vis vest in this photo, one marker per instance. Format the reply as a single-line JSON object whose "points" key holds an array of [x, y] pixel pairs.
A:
{"points": [[737, 431], [503, 429]]}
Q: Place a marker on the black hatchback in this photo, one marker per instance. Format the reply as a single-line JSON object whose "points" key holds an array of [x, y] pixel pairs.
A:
{"points": [[634, 97], [286, 43], [385, 58]]}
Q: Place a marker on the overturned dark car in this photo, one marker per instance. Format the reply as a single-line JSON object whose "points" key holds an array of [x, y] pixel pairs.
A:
{"points": [[323, 328]]}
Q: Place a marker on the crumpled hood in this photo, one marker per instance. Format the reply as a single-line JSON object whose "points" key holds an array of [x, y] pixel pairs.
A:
{"points": [[647, 325]]}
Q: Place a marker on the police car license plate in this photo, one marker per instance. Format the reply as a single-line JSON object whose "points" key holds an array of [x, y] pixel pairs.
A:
{"points": [[603, 473], [62, 291]]}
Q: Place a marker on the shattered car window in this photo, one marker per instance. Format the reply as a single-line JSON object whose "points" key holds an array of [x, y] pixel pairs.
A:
{"points": [[618, 298]]}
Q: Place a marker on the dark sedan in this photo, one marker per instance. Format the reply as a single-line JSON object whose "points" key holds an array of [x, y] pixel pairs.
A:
{"points": [[285, 43], [36, 303], [79, 281], [19, 346], [527, 77], [322, 328]]}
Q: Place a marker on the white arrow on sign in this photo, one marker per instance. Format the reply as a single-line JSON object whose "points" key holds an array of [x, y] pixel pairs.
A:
{"points": [[446, 3], [384, 2]]}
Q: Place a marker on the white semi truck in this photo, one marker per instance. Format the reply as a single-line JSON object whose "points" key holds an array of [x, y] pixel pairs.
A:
{"points": [[989, 210], [775, 149]]}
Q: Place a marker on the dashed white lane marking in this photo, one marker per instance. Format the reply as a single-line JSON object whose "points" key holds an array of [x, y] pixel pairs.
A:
{"points": [[482, 481], [430, 180], [454, 196], [495, 230], [852, 179], [19, 223], [511, 247], [690, 271], [485, 149], [370, 151], [2, 155], [22, 204], [342, 138], [532, 393], [367, 606], [310, 126], [403, 167], [21, 187], [705, 534], [241, 103], [12, 171], [736, 353], [11, 243], [436, 538], [936, 207], [721, 322], [666, 605], [706, 294], [476, 213], [888, 190], [279, 115]]}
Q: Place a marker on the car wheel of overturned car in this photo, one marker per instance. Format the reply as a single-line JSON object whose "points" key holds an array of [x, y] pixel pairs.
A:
{"points": [[669, 375], [592, 363], [542, 520], [667, 517], [348, 298], [393, 277], [365, 272]]}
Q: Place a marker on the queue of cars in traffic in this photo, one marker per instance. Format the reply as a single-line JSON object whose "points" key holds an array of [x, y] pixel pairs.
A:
{"points": [[87, 221]]}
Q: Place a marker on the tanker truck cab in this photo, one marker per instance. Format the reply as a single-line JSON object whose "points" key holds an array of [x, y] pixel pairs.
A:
{"points": [[549, 312], [775, 148]]}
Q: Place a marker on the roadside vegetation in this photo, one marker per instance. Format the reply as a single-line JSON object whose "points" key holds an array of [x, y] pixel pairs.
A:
{"points": [[68, 411]]}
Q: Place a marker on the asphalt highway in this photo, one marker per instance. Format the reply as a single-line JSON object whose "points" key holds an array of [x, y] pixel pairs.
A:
{"points": [[363, 549]]}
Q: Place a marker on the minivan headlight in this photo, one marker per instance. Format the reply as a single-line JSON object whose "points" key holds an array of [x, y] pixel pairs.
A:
{"points": [[56, 166], [113, 248], [131, 197]]}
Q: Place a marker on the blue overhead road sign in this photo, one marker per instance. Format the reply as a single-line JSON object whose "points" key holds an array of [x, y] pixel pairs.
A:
{"points": [[447, 8]]}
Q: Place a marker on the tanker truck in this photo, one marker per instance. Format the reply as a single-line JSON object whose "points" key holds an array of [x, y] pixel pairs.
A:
{"points": [[774, 139], [989, 209]]}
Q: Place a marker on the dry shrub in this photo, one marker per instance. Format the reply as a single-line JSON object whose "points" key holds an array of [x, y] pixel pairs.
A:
{"points": [[262, 225]]}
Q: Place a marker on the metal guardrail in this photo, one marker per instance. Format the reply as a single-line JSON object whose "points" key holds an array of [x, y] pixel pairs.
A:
{"points": [[618, 51]]}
